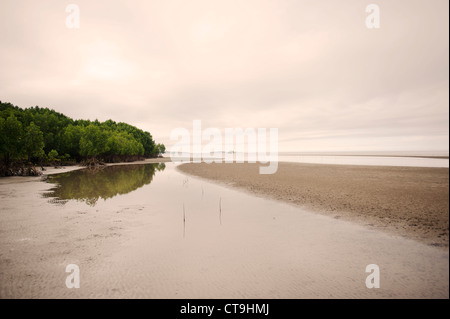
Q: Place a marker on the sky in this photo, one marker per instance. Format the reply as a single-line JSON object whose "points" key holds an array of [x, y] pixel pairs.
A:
{"points": [[310, 68]]}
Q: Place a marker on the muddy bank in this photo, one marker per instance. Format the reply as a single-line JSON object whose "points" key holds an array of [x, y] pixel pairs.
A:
{"points": [[409, 201]]}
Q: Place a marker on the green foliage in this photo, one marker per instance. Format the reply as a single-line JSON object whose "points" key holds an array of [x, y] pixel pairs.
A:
{"points": [[12, 134], [29, 134], [33, 142], [122, 143], [140, 136], [53, 156], [161, 148], [93, 141], [71, 140]]}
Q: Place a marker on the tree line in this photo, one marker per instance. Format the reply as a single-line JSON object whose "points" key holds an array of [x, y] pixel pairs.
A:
{"points": [[38, 135]]}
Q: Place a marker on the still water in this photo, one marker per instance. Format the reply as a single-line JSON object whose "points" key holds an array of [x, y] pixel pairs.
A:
{"points": [[184, 237], [89, 186], [367, 160], [405, 159]]}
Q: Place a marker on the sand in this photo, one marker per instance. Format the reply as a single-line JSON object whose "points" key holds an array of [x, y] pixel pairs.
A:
{"points": [[231, 244], [408, 201]]}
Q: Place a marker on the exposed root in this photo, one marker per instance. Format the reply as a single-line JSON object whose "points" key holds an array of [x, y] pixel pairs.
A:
{"points": [[19, 170]]}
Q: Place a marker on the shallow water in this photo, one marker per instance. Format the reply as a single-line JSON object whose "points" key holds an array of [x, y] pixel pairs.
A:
{"points": [[366, 160], [89, 186], [184, 237], [405, 159]]}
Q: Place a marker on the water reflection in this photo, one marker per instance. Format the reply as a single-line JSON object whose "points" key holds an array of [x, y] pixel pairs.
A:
{"points": [[219, 237], [88, 185]]}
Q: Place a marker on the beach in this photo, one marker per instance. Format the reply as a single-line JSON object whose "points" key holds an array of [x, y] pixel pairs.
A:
{"points": [[153, 231], [409, 201], [333, 117]]}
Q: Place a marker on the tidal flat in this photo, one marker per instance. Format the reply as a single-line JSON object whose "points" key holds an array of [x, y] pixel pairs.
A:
{"points": [[152, 231]]}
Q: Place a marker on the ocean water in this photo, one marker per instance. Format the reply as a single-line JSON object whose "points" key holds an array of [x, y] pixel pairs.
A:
{"points": [[366, 160], [408, 159]]}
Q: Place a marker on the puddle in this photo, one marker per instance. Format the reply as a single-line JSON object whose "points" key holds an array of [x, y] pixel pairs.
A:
{"points": [[196, 239], [91, 185]]}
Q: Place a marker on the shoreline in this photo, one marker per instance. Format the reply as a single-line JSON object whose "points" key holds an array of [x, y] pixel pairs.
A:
{"points": [[369, 155], [411, 202], [301, 254], [408, 201], [50, 170]]}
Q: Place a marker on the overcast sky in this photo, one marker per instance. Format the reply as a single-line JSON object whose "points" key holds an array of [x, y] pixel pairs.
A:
{"points": [[310, 68]]}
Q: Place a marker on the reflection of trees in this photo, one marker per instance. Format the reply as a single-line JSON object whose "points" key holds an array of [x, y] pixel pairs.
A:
{"points": [[88, 186]]}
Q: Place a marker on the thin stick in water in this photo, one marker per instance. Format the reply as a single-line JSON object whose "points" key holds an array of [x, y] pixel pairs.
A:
{"points": [[184, 222], [220, 210]]}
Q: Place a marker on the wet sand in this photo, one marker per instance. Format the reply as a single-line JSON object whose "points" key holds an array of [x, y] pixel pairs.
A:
{"points": [[231, 245], [408, 201]]}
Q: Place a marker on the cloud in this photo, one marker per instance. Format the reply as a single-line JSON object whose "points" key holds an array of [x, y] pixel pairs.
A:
{"points": [[310, 68]]}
